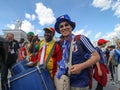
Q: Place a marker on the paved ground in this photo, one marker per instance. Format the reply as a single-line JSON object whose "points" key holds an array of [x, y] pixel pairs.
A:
{"points": [[108, 87]]}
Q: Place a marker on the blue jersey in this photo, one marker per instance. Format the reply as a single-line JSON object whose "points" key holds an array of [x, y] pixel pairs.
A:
{"points": [[79, 55], [101, 53]]}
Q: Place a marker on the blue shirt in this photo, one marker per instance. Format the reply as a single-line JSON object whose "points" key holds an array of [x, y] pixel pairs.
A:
{"points": [[79, 56], [101, 53]]}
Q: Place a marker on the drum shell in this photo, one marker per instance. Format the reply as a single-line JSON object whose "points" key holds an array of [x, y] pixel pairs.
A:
{"points": [[19, 67], [32, 79]]}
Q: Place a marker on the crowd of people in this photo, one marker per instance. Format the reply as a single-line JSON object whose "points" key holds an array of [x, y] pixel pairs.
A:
{"points": [[73, 56]]}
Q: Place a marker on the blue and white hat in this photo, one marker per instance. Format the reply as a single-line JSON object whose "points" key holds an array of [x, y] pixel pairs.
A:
{"points": [[61, 19]]}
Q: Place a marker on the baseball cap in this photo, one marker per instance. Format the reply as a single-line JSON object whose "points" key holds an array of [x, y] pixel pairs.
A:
{"points": [[102, 41], [30, 33], [50, 29], [61, 19]]}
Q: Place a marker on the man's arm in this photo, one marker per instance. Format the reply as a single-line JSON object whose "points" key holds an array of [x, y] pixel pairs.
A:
{"points": [[77, 68], [110, 57]]}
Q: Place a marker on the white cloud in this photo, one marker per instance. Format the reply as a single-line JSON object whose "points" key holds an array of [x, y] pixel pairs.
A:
{"points": [[107, 4], [30, 17], [11, 26], [38, 31], [98, 35], [88, 33], [82, 31], [33, 17], [117, 29], [78, 31], [115, 5], [27, 16], [103, 4], [116, 8], [27, 26], [45, 15], [110, 35], [114, 34]]}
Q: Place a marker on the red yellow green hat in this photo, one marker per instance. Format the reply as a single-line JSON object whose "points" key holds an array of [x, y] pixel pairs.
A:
{"points": [[50, 29]]}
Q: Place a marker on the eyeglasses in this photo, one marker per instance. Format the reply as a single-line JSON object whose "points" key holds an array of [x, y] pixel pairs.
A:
{"points": [[64, 25]]}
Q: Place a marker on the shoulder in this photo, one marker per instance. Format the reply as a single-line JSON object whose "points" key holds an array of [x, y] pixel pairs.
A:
{"points": [[42, 42], [112, 52], [57, 44], [77, 37], [82, 38], [97, 48], [15, 41]]}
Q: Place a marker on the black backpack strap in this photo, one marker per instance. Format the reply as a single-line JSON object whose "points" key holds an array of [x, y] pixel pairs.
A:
{"points": [[77, 39]]}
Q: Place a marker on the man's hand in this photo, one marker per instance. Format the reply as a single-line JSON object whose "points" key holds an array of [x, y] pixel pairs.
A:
{"points": [[76, 69], [99, 72]]}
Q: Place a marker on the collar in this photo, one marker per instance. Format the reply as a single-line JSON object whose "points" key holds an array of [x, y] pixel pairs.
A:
{"points": [[47, 43], [70, 37]]}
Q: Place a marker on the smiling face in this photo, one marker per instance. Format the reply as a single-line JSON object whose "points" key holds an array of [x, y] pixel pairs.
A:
{"points": [[29, 37], [48, 35], [65, 29]]}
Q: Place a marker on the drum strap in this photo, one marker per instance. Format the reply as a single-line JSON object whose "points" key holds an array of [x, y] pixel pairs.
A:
{"points": [[42, 54], [69, 64], [51, 52]]}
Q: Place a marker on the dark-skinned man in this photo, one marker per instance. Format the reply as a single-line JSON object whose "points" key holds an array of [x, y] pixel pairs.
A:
{"points": [[45, 47]]}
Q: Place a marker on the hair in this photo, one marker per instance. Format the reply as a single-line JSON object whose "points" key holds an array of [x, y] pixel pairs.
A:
{"points": [[111, 46], [117, 41], [9, 34], [21, 40]]}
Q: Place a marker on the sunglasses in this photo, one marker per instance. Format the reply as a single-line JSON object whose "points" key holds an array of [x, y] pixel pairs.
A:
{"points": [[65, 25]]}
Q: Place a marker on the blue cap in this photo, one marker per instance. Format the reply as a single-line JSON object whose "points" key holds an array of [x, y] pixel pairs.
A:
{"points": [[62, 19]]}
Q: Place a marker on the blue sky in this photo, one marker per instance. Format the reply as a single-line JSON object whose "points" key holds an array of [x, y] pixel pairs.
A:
{"points": [[94, 18]]}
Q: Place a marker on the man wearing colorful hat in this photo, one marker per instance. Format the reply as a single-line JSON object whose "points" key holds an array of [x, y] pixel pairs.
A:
{"points": [[100, 69], [79, 77], [31, 57], [45, 47]]}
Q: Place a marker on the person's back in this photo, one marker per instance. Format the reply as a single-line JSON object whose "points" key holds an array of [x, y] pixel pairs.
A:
{"points": [[22, 52], [11, 58], [113, 60], [100, 69], [117, 56], [13, 53], [4, 45], [107, 54]]}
